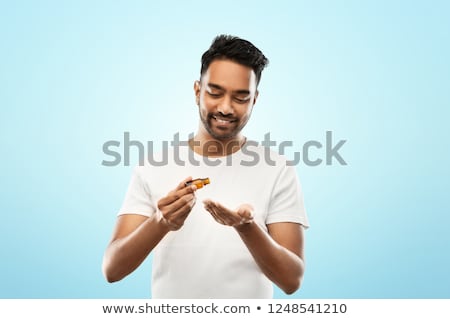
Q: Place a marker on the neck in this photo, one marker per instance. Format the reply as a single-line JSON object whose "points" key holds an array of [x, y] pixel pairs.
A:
{"points": [[206, 145]]}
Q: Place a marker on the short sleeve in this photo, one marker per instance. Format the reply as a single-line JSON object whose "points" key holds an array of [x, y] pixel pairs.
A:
{"points": [[286, 203], [138, 199]]}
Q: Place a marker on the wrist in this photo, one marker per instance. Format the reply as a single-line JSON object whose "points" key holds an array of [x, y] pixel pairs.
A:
{"points": [[245, 227], [162, 223]]}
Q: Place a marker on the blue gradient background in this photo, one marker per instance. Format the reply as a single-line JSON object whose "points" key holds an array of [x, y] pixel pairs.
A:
{"points": [[74, 75]]}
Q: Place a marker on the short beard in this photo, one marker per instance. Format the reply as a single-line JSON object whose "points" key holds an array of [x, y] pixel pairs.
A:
{"points": [[206, 123]]}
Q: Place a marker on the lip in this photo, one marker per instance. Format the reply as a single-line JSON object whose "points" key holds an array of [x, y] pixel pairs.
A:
{"points": [[222, 120]]}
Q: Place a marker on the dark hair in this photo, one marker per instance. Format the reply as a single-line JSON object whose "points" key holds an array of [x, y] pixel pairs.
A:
{"points": [[237, 50]]}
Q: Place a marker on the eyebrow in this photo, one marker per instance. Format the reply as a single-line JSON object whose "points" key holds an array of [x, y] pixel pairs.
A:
{"points": [[218, 87]]}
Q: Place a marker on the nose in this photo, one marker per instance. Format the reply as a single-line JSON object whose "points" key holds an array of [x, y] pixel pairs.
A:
{"points": [[225, 106]]}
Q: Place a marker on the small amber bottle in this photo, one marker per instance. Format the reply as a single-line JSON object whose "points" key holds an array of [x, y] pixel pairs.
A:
{"points": [[199, 182]]}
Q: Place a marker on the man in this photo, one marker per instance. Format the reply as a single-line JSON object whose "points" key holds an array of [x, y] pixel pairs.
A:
{"points": [[234, 237]]}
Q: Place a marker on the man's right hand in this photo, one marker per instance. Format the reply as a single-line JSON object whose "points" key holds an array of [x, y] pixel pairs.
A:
{"points": [[176, 206]]}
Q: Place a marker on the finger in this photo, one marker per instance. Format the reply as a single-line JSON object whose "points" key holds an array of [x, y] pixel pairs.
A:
{"points": [[173, 196], [223, 209], [183, 183], [187, 200], [177, 217], [232, 216], [222, 216], [245, 212], [245, 219], [226, 215], [212, 211]]}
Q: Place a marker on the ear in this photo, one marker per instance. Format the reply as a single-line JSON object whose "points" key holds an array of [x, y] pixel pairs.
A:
{"points": [[197, 91]]}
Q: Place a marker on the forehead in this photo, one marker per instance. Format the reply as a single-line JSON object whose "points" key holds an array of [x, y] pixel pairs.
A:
{"points": [[230, 75]]}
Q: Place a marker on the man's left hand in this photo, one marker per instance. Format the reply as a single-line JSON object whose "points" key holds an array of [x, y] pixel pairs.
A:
{"points": [[225, 216]]}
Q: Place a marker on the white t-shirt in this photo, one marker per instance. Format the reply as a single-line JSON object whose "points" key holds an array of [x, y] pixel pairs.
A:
{"points": [[205, 259]]}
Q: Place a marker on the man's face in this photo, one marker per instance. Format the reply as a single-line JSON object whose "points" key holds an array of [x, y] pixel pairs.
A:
{"points": [[225, 96]]}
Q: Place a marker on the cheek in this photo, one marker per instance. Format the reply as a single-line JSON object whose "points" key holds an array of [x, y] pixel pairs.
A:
{"points": [[204, 101], [245, 112], [208, 105], [203, 109]]}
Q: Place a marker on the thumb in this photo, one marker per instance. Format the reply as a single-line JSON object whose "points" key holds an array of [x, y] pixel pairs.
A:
{"points": [[245, 211]]}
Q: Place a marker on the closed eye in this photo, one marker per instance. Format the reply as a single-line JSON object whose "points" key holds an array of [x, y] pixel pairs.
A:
{"points": [[215, 95], [241, 100]]}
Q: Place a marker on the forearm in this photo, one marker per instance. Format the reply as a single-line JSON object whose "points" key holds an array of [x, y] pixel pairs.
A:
{"points": [[279, 264], [125, 254]]}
